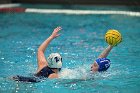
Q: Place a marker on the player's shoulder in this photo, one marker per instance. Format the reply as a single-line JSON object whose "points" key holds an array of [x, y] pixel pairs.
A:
{"points": [[54, 75]]}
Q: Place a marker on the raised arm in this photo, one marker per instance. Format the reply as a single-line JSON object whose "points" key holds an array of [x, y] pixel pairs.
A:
{"points": [[42, 62], [99, 66], [105, 53]]}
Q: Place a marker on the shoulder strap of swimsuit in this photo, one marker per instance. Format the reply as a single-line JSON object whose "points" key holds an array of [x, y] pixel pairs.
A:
{"points": [[44, 72]]}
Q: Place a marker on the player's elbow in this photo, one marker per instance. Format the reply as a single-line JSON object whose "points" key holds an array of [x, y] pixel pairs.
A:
{"points": [[40, 49]]}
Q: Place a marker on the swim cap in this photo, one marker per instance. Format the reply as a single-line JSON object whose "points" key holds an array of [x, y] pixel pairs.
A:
{"points": [[54, 60], [103, 63]]}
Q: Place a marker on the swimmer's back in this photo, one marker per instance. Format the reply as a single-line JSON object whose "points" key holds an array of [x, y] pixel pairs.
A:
{"points": [[43, 73]]}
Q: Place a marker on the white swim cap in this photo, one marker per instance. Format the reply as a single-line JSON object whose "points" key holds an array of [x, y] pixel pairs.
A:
{"points": [[55, 60]]}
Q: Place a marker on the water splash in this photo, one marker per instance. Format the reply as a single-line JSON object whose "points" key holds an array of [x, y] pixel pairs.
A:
{"points": [[83, 72]]}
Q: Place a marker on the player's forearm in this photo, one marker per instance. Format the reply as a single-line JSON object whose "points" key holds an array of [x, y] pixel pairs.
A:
{"points": [[44, 45], [105, 53]]}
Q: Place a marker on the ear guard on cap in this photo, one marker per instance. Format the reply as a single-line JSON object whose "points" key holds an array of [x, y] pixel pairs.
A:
{"points": [[103, 63], [55, 60]]}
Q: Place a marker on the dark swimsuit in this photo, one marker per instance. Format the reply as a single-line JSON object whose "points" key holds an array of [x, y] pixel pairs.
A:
{"points": [[43, 73]]}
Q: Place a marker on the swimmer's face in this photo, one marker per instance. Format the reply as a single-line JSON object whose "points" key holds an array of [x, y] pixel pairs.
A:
{"points": [[94, 67]]}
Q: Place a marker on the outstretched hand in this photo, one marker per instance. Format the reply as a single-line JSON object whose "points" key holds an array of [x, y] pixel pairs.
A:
{"points": [[55, 32]]}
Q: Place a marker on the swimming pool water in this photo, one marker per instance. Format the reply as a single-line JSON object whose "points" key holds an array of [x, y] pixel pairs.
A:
{"points": [[81, 41]]}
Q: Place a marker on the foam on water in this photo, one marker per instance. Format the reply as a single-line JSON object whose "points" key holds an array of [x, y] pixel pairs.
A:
{"points": [[76, 73], [83, 72]]}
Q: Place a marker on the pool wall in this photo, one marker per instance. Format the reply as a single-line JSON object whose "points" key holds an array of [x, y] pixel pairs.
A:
{"points": [[95, 2], [5, 1]]}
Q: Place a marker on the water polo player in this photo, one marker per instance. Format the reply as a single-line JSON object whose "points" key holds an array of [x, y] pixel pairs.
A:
{"points": [[48, 68], [113, 38], [102, 63]]}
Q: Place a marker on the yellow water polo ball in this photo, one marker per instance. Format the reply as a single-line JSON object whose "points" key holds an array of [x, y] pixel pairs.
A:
{"points": [[113, 37]]}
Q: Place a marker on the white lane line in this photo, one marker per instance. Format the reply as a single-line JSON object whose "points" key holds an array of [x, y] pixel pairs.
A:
{"points": [[9, 5], [82, 12]]}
